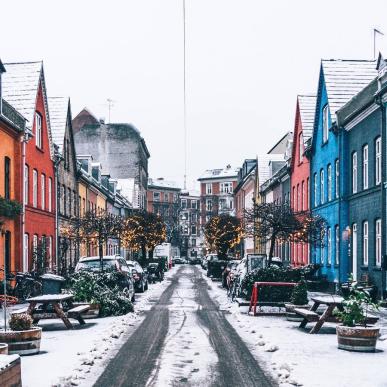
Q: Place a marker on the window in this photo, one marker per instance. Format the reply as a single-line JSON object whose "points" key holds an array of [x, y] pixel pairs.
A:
{"points": [[378, 242], [64, 200], [35, 188], [49, 240], [69, 196], [26, 187], [315, 189], [209, 188], [222, 204], [49, 194], [34, 244], [7, 252], [322, 247], [307, 194], [156, 196], [329, 245], [193, 230], [7, 177], [184, 203], [378, 161], [329, 176], [325, 123], [337, 244], [194, 218], [354, 172], [322, 187], [301, 147], [365, 243], [25, 252], [294, 199], [209, 205], [193, 204], [43, 191], [365, 166], [226, 187], [337, 175], [303, 207], [38, 130], [193, 242], [298, 207]]}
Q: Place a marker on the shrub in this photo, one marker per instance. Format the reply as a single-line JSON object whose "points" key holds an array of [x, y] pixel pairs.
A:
{"points": [[20, 322], [300, 294], [106, 289]]}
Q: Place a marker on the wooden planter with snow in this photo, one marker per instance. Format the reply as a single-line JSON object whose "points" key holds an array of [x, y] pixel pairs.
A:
{"points": [[3, 349], [22, 342], [291, 315], [357, 338]]}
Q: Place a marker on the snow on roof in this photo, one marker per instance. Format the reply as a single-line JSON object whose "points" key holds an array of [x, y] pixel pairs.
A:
{"points": [[220, 173], [20, 87], [58, 108], [307, 106], [162, 183], [344, 79], [264, 165]]}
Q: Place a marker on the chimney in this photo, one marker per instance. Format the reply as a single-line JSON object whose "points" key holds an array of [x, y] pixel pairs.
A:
{"points": [[2, 70]]}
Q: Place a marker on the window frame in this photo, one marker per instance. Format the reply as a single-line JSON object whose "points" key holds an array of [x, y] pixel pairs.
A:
{"points": [[43, 191], [354, 173], [325, 125], [337, 178], [378, 242], [34, 188], [322, 186], [365, 167], [378, 160], [365, 243], [329, 246], [7, 178], [38, 130], [50, 194], [208, 188], [329, 185], [337, 244]]}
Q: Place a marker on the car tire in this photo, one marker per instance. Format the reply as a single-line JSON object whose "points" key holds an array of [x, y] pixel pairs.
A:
{"points": [[146, 285]]}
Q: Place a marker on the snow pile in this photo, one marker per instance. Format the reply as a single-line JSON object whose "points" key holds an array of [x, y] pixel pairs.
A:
{"points": [[296, 358]]}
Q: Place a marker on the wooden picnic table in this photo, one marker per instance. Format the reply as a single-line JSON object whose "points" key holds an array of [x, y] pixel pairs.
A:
{"points": [[56, 306], [331, 301]]}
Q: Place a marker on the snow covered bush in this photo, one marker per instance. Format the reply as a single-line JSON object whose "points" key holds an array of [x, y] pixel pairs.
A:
{"points": [[20, 322], [300, 294], [105, 289]]}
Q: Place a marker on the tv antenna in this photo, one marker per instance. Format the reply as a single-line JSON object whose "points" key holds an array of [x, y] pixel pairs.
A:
{"points": [[110, 103]]}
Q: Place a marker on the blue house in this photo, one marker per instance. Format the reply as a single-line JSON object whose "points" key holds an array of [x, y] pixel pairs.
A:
{"points": [[339, 81]]}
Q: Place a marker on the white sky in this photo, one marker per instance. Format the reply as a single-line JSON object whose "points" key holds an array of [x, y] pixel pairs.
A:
{"points": [[246, 62]]}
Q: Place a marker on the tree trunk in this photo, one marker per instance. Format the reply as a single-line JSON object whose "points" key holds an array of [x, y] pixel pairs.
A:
{"points": [[143, 254], [100, 251], [150, 252], [272, 244]]}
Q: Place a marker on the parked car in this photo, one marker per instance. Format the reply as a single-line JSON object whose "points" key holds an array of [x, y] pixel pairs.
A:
{"points": [[177, 259], [216, 266], [140, 276], [194, 260], [155, 272], [114, 263], [230, 268]]}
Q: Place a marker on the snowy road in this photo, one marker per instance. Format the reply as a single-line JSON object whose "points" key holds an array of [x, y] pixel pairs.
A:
{"points": [[184, 341]]}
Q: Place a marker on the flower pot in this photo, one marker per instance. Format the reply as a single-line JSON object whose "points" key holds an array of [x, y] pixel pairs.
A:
{"points": [[291, 315], [22, 342], [3, 349], [357, 338]]}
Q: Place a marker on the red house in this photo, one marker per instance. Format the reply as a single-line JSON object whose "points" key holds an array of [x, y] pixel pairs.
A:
{"points": [[299, 169], [24, 88]]}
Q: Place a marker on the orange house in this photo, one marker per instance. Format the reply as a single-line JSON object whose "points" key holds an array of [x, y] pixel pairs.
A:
{"points": [[12, 126]]}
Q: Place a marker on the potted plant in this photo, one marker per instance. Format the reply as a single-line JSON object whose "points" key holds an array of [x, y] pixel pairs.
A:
{"points": [[299, 299], [23, 338], [354, 334]]}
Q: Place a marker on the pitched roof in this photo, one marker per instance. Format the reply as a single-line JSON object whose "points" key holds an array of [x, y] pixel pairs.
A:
{"points": [[20, 87], [264, 165], [307, 107], [220, 173], [58, 108], [344, 79], [161, 183]]}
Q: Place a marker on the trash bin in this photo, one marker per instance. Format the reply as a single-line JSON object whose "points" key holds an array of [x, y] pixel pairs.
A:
{"points": [[52, 283]]}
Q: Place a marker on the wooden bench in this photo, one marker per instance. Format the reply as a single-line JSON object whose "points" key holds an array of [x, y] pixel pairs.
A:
{"points": [[77, 311], [307, 314], [20, 311]]}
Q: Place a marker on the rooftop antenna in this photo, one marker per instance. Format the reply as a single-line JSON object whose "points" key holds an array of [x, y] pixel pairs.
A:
{"points": [[185, 98], [376, 32], [110, 106]]}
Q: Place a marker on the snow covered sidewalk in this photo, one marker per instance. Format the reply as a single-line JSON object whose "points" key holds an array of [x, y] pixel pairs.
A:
{"points": [[77, 357], [297, 358]]}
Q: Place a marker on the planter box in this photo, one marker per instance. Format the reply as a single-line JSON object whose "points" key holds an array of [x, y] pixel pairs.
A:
{"points": [[291, 315], [358, 339], [93, 312], [22, 342]]}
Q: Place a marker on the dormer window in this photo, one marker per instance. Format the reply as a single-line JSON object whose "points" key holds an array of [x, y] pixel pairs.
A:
{"points": [[38, 130], [325, 123]]}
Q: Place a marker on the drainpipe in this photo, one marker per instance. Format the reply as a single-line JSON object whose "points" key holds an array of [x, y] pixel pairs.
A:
{"points": [[23, 218], [57, 160]]}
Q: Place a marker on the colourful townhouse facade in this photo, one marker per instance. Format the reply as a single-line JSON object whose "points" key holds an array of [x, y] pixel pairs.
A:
{"points": [[24, 88], [339, 81], [12, 135], [300, 169]]}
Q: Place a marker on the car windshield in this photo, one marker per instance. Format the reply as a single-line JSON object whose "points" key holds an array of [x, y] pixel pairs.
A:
{"points": [[95, 265]]}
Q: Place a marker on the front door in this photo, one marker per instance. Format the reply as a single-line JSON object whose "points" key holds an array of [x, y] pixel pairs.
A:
{"points": [[354, 251]]}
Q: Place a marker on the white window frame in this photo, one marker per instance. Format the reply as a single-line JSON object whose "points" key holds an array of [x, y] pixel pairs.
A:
{"points": [[337, 178], [34, 187], [378, 161], [365, 243], [38, 130], [155, 194], [208, 188], [378, 242], [183, 204], [354, 172], [303, 206], [337, 244], [208, 204], [329, 245], [322, 248], [226, 187], [26, 183], [50, 194], [329, 176], [26, 247], [325, 123], [301, 147], [322, 187], [43, 191], [365, 166]]}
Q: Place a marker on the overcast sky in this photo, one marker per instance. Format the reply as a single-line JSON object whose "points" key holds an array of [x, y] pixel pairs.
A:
{"points": [[246, 62]]}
